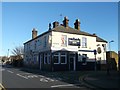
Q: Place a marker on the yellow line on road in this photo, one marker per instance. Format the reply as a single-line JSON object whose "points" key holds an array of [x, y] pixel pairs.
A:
{"points": [[1, 87]]}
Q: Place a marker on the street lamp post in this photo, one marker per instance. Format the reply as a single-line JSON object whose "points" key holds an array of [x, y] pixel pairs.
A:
{"points": [[8, 54], [108, 69]]}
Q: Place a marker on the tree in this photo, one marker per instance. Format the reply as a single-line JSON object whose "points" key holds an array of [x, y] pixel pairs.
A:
{"points": [[4, 58], [18, 51]]}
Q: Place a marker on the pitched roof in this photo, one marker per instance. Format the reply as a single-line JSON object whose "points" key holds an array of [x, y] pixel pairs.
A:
{"points": [[70, 30], [98, 39]]}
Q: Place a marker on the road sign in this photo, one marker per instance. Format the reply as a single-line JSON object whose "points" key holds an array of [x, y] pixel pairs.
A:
{"points": [[95, 52]]}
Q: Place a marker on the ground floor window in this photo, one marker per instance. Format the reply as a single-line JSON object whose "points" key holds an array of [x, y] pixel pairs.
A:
{"points": [[63, 58], [60, 58], [45, 58], [48, 58], [56, 58], [84, 58]]}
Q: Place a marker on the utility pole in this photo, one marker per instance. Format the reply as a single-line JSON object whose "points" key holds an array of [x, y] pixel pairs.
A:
{"points": [[8, 54]]}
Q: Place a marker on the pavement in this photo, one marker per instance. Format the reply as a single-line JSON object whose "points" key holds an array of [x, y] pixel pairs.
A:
{"points": [[101, 80]]}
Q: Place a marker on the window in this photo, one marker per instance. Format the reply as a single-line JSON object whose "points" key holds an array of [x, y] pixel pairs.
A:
{"points": [[48, 60], [63, 58], [79, 57], [104, 47], [45, 58], [84, 58], [56, 58], [84, 42], [35, 44], [45, 41]]}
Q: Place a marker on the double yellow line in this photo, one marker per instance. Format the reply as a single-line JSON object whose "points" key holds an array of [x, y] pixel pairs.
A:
{"points": [[1, 87]]}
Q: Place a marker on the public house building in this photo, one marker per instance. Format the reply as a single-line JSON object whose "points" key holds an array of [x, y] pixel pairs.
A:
{"points": [[63, 48]]}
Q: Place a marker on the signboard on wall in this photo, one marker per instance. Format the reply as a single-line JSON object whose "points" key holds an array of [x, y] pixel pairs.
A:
{"points": [[74, 41], [64, 40]]}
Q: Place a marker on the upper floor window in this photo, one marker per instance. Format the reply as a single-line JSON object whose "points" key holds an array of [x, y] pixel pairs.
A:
{"points": [[104, 47], [45, 41], [84, 42], [35, 44]]}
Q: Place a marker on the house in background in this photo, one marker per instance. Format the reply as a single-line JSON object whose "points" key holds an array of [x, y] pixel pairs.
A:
{"points": [[64, 48]]}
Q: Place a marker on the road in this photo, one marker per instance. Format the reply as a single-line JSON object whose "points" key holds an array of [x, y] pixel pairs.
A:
{"points": [[16, 78]]}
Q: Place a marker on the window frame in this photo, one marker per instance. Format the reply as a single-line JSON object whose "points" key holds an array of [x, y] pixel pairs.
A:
{"points": [[45, 57], [48, 58], [65, 58], [84, 42], [58, 58]]}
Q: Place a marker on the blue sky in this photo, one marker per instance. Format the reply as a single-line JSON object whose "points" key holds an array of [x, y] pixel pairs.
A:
{"points": [[19, 18]]}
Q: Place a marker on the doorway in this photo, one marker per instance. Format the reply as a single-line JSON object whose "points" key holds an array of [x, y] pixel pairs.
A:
{"points": [[40, 61], [72, 64]]}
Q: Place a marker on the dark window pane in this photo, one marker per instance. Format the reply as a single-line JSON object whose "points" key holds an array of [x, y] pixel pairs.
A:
{"points": [[56, 59], [62, 59]]}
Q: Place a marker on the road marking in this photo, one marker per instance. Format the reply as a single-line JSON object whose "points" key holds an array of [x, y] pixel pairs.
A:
{"points": [[62, 85], [2, 69], [50, 79], [21, 76], [32, 76], [43, 80], [25, 73], [9, 71], [1, 87], [41, 76]]}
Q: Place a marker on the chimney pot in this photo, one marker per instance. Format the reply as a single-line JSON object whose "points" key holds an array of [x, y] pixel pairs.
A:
{"points": [[65, 21], [94, 34], [55, 24]]}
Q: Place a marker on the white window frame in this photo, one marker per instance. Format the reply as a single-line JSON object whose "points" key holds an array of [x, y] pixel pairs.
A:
{"points": [[65, 58], [58, 58], [84, 42]]}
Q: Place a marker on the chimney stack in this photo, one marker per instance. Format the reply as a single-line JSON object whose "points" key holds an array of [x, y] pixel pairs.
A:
{"points": [[94, 34], [55, 24], [65, 21], [34, 33], [77, 24]]}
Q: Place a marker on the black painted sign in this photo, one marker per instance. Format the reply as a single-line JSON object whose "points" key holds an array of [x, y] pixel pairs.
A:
{"points": [[74, 41]]}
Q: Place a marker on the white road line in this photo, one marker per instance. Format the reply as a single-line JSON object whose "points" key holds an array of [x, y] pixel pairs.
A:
{"points": [[62, 85], [43, 80], [49, 79], [2, 69], [21, 76], [10, 71], [41, 76], [25, 73]]}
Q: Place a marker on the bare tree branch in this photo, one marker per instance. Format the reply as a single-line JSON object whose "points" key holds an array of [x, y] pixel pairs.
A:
{"points": [[18, 51]]}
